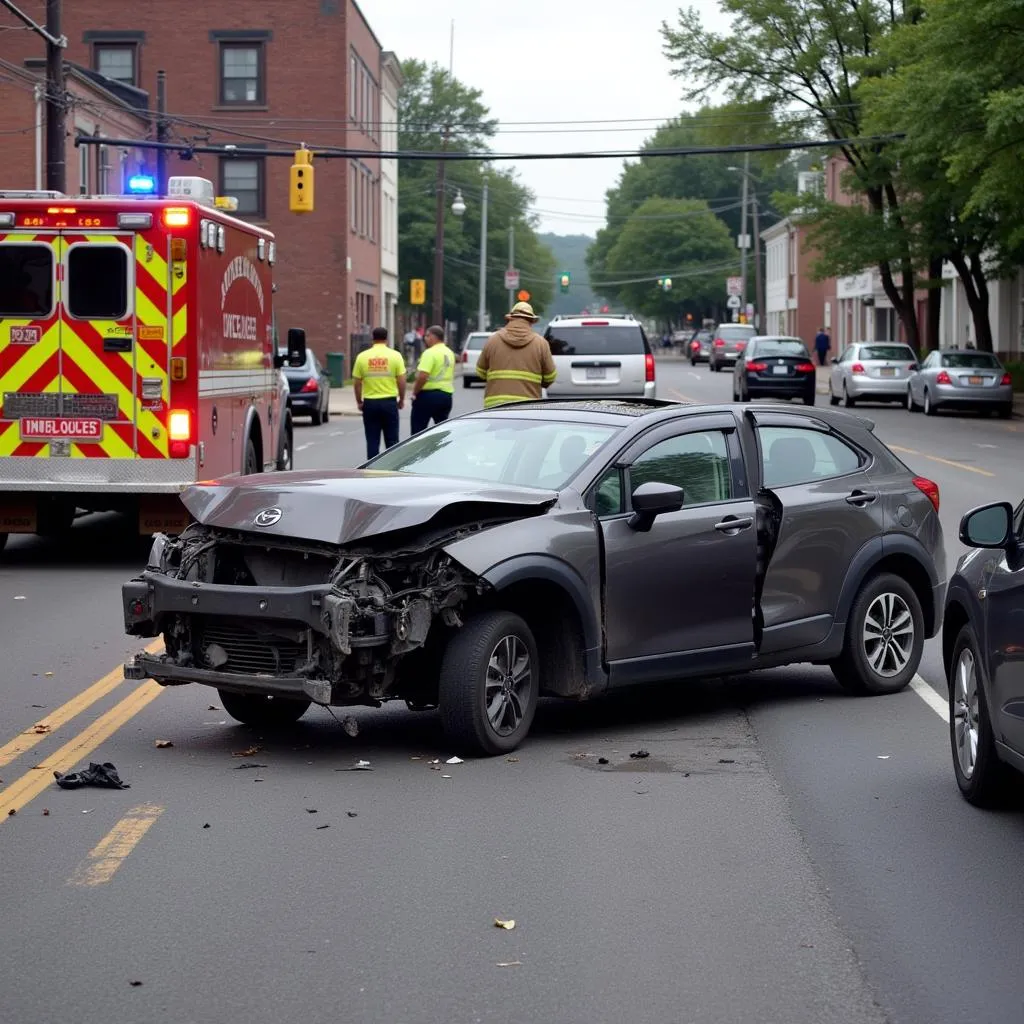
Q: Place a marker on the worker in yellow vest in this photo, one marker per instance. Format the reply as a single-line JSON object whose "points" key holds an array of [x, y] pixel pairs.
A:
{"points": [[378, 378], [433, 388]]}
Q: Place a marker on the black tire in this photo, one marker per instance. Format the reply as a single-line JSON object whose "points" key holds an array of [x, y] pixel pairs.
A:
{"points": [[252, 462], [286, 450], [911, 405], [463, 683], [262, 712], [852, 669], [693, 362], [810, 399], [316, 418], [54, 518], [466, 382], [929, 408], [327, 410], [832, 397], [987, 781], [1005, 412], [848, 402], [3, 542]]}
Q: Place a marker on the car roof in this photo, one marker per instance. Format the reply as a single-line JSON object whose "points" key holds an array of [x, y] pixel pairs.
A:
{"points": [[593, 320], [777, 337]]}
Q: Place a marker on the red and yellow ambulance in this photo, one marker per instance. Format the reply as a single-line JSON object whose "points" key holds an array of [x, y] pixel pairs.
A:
{"points": [[137, 354]]}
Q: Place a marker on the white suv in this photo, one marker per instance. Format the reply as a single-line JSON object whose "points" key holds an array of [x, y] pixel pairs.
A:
{"points": [[600, 356]]}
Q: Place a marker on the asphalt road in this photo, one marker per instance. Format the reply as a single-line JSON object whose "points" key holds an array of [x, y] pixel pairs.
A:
{"points": [[786, 854]]}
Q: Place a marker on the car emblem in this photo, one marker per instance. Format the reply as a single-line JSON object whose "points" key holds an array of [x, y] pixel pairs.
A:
{"points": [[268, 517]]}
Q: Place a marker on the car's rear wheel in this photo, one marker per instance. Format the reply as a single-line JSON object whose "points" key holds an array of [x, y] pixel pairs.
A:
{"points": [[929, 407], [286, 453], [884, 638], [466, 382], [911, 404], [833, 398], [848, 401], [1005, 412], [489, 684], [983, 779], [316, 418], [262, 711], [3, 541], [809, 398]]}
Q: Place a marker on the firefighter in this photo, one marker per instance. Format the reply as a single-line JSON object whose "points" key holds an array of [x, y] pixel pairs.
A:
{"points": [[378, 378], [433, 388], [515, 362]]}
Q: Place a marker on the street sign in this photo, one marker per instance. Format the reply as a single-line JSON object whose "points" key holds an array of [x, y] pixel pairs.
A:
{"points": [[734, 286], [511, 278], [417, 291], [733, 302]]}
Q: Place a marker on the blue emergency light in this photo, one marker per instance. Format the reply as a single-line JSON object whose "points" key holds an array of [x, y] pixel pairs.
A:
{"points": [[141, 184]]}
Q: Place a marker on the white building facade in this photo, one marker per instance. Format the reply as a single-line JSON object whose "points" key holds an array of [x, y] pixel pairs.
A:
{"points": [[776, 278], [1005, 310], [391, 84]]}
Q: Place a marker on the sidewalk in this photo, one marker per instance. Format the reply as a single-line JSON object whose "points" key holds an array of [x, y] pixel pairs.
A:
{"points": [[343, 402]]}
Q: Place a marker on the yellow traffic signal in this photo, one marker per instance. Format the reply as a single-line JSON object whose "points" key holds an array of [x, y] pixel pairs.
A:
{"points": [[300, 197], [417, 291]]}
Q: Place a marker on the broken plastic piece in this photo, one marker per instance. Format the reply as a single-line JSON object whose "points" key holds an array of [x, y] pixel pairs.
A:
{"points": [[351, 726], [248, 752], [639, 754], [508, 925], [163, 743], [510, 963], [602, 760], [454, 760], [249, 764], [102, 775]]}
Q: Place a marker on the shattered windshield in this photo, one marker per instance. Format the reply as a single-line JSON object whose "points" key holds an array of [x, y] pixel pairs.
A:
{"points": [[526, 453]]}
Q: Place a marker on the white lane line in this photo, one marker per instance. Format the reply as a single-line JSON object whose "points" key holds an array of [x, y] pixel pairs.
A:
{"points": [[695, 376], [337, 433], [930, 697], [303, 447]]}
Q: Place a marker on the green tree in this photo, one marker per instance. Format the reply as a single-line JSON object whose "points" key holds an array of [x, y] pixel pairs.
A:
{"points": [[437, 111], [813, 58], [686, 242]]}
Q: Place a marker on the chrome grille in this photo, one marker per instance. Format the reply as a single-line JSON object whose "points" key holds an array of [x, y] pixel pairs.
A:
{"points": [[249, 652], [26, 403]]}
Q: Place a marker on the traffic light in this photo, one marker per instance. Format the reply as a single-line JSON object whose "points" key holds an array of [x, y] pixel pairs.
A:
{"points": [[665, 284], [563, 282], [300, 198]]}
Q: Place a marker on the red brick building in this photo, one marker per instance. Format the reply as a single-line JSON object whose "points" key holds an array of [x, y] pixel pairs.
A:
{"points": [[265, 74]]}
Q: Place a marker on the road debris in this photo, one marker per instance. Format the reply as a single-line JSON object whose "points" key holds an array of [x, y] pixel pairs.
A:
{"points": [[508, 924], [161, 744], [19, 597], [213, 707], [102, 775], [726, 760], [359, 766], [49, 675], [46, 812], [207, 825], [445, 776], [512, 760], [312, 810], [249, 764], [454, 760], [41, 728], [884, 757], [509, 963], [603, 760], [248, 752], [12, 812], [352, 814], [638, 755], [320, 828], [135, 984]]}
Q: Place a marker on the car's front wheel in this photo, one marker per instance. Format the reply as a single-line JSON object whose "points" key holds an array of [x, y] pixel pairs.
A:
{"points": [[261, 711], [983, 779], [884, 638], [489, 684]]}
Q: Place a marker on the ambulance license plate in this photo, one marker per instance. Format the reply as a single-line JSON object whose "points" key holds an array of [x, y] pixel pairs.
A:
{"points": [[75, 429]]}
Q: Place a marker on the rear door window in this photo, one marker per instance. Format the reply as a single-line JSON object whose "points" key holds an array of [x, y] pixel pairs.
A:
{"points": [[903, 352], [596, 341], [970, 361], [97, 283], [26, 280], [795, 455], [782, 347]]}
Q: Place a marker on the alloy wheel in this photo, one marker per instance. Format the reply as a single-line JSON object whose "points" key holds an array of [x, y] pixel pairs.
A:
{"points": [[507, 687], [966, 712], [888, 635]]}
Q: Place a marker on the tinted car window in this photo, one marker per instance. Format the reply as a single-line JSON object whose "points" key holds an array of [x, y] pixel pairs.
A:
{"points": [[735, 333], [97, 282], [792, 455], [887, 352], [26, 281], [698, 463], [970, 361], [779, 348], [606, 498], [596, 341], [527, 453]]}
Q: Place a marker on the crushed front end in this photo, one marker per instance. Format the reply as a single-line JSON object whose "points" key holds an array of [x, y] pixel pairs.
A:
{"points": [[290, 618]]}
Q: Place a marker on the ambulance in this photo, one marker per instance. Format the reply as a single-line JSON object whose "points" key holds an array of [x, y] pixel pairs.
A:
{"points": [[138, 354]]}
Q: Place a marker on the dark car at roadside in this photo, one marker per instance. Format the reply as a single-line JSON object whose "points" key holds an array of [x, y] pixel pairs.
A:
{"points": [[310, 389], [561, 548], [728, 342], [699, 347], [774, 366], [983, 652]]}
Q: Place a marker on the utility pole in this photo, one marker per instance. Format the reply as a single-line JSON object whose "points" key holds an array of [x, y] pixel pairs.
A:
{"points": [[161, 132], [743, 234], [758, 278], [437, 297], [511, 260], [481, 315]]}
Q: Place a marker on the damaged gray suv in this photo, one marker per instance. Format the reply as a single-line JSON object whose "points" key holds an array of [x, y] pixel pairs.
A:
{"points": [[555, 548]]}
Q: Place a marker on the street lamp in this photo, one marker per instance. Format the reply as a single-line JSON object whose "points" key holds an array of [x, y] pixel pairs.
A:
{"points": [[758, 296], [458, 204], [458, 208]]}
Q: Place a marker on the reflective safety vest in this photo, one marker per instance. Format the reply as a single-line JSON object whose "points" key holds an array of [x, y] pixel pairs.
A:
{"points": [[438, 363], [379, 368]]}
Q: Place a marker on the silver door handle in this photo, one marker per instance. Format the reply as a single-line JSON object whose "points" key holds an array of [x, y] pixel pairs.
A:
{"points": [[732, 523], [860, 498]]}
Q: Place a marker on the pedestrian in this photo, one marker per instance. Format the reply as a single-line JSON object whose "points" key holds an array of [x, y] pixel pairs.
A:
{"points": [[433, 388], [378, 378], [822, 342], [515, 362]]}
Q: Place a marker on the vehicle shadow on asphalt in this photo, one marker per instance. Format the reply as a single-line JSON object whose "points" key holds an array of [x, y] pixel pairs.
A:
{"points": [[104, 541]]}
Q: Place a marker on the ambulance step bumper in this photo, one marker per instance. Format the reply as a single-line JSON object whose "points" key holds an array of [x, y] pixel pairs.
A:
{"points": [[96, 476]]}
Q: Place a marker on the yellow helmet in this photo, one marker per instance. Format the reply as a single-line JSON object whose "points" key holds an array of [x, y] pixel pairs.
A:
{"points": [[522, 309]]}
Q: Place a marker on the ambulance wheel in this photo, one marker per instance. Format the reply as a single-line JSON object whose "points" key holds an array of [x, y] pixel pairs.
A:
{"points": [[286, 453], [3, 541], [252, 462], [54, 518]]}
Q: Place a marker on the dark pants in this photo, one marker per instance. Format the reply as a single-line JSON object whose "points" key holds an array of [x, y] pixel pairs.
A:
{"points": [[822, 356], [380, 414], [430, 405]]}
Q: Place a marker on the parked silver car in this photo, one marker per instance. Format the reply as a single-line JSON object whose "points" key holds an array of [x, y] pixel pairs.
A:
{"points": [[874, 371], [960, 378], [600, 356], [728, 342]]}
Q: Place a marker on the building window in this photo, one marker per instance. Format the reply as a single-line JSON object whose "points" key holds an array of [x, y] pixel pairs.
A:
{"points": [[103, 171], [352, 177], [243, 179], [116, 61], [352, 88], [83, 169], [241, 73]]}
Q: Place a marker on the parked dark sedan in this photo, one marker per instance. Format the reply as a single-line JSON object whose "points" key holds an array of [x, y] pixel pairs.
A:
{"points": [[773, 366], [562, 547], [310, 389], [983, 648]]}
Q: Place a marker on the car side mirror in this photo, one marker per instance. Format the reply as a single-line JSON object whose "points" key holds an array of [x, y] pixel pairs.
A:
{"points": [[296, 346], [651, 500], [989, 526], [913, 367]]}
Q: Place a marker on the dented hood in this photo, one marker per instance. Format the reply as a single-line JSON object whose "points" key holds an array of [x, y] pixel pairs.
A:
{"points": [[347, 505]]}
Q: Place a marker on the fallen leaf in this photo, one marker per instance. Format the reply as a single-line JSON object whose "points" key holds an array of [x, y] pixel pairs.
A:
{"points": [[640, 754], [352, 814], [602, 760], [48, 674], [580, 757], [510, 963], [351, 726], [41, 728], [507, 925], [164, 743], [311, 810], [248, 752], [249, 764], [512, 760], [11, 813], [454, 760], [135, 984]]}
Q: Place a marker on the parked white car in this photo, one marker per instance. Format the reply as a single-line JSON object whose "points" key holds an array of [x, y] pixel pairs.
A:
{"points": [[874, 371], [470, 354]]}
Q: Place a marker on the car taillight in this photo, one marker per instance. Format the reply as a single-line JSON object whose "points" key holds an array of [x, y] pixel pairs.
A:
{"points": [[740, 346], [943, 378], [857, 368], [719, 343], [465, 355], [694, 345], [757, 367], [179, 433], [805, 367], [1007, 379], [310, 385], [648, 367], [929, 488]]}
